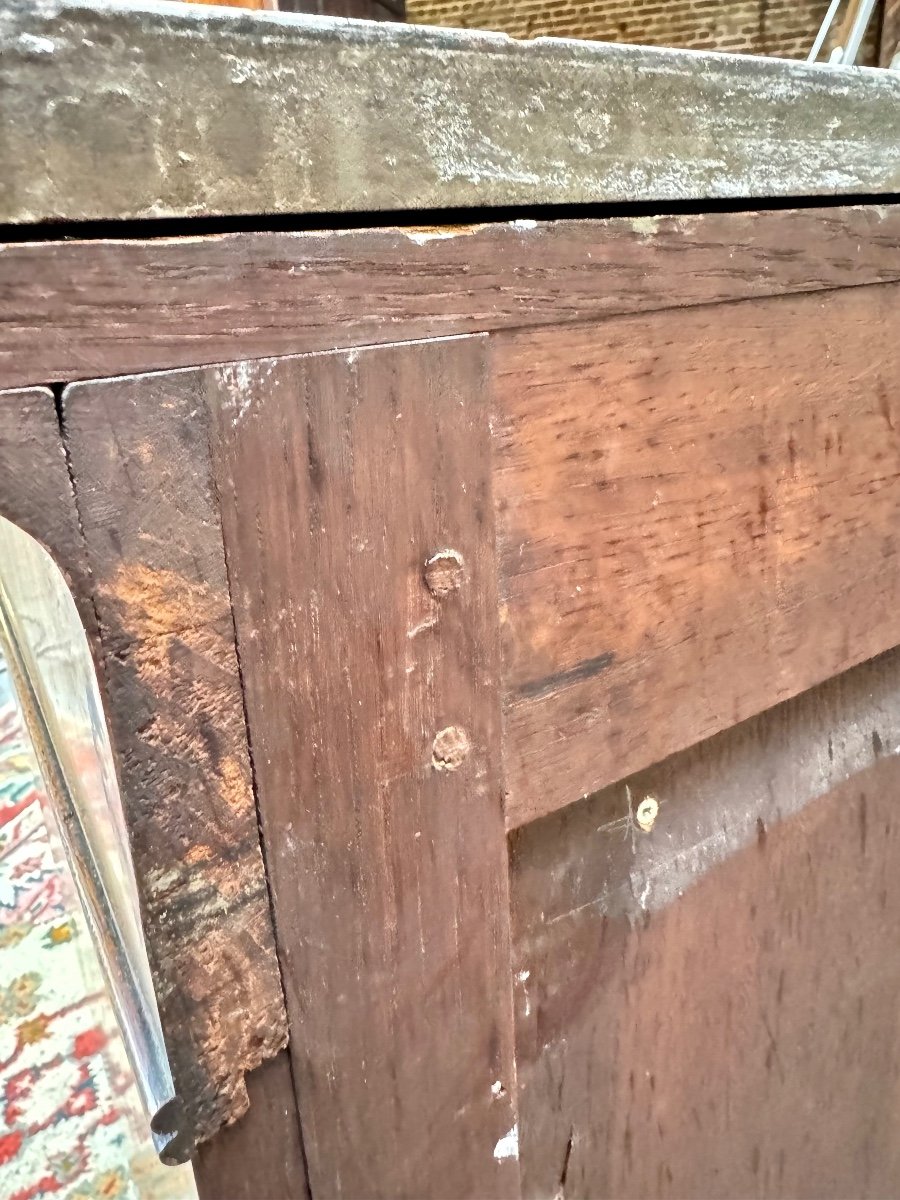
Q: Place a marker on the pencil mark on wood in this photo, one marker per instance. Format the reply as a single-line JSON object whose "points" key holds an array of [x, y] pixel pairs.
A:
{"points": [[591, 667]]}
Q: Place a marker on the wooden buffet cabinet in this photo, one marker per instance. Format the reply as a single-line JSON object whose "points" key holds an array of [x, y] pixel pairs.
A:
{"points": [[477, 464]]}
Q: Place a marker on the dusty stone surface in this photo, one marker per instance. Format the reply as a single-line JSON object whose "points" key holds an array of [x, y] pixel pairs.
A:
{"points": [[167, 110]]}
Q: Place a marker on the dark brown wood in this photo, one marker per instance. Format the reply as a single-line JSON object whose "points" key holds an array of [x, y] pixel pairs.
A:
{"points": [[697, 519], [360, 10], [71, 310], [140, 462], [709, 1008], [260, 1156], [35, 489], [375, 724]]}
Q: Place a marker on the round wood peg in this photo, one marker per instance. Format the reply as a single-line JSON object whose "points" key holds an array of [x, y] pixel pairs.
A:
{"points": [[449, 748], [444, 572]]}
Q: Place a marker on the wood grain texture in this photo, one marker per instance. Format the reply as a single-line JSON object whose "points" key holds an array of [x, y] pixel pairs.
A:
{"points": [[333, 116], [140, 459], [374, 721], [260, 1156], [72, 309], [709, 1008], [697, 520]]}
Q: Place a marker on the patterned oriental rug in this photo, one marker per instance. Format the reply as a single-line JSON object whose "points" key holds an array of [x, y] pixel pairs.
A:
{"points": [[71, 1122]]}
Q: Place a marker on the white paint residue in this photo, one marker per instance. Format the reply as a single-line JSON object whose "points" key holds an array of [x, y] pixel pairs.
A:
{"points": [[426, 623], [496, 1088], [645, 226], [523, 976], [646, 813], [36, 45], [508, 1145], [524, 224], [422, 236], [239, 379]]}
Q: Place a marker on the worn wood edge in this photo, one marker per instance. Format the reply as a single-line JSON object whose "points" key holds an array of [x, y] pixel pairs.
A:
{"points": [[217, 112], [209, 1060], [80, 309]]}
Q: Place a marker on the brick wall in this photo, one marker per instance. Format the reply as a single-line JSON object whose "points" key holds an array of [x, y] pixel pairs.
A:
{"points": [[782, 28]]}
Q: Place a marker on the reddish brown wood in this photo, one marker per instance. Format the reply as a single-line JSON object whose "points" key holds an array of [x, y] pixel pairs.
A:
{"points": [[374, 720], [72, 310], [255, 4], [141, 467], [260, 1156], [709, 1008], [697, 519]]}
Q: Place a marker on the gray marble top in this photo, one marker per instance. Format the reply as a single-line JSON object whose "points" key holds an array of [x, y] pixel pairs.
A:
{"points": [[114, 110]]}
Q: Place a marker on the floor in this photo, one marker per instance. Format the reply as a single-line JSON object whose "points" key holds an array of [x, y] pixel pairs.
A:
{"points": [[71, 1122]]}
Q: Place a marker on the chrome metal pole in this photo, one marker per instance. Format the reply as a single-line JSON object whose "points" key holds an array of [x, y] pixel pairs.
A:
{"points": [[49, 659]]}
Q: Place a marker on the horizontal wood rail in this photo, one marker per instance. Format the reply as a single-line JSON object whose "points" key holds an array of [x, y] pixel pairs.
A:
{"points": [[72, 310]]}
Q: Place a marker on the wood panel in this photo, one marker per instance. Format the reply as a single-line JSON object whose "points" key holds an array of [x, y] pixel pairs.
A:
{"points": [[325, 117], [260, 1156], [140, 460], [75, 309], [697, 519], [357, 486], [708, 1007]]}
